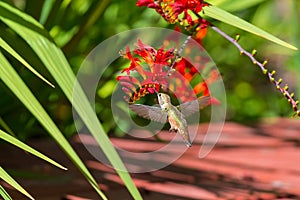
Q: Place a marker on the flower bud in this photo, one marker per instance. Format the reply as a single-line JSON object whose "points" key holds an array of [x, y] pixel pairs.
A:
{"points": [[265, 62]]}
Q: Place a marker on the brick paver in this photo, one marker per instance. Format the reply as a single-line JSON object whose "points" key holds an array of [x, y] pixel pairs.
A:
{"points": [[259, 162]]}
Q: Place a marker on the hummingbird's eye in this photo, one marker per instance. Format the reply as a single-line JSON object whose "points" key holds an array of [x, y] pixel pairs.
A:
{"points": [[159, 94]]}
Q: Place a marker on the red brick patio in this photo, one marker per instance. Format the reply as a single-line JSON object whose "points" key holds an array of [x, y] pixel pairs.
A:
{"points": [[260, 162]]}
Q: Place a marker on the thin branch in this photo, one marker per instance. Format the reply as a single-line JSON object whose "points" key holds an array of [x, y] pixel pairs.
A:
{"points": [[283, 90], [178, 54]]}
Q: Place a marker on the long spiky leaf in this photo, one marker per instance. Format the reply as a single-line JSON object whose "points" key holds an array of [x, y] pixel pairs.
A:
{"points": [[4, 194], [27, 148], [8, 179], [11, 51], [56, 63], [226, 17], [10, 77]]}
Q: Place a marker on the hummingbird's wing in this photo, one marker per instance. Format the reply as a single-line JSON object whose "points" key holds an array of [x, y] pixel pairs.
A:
{"points": [[153, 113], [191, 107]]}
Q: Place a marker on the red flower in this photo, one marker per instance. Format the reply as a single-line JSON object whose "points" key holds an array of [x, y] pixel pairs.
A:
{"points": [[150, 65], [186, 69], [202, 87], [171, 9], [153, 74], [200, 34], [150, 4], [144, 2], [180, 6], [134, 61]]}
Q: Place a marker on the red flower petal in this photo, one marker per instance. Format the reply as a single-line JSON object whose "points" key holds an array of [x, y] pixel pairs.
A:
{"points": [[214, 101], [144, 2], [151, 90]]}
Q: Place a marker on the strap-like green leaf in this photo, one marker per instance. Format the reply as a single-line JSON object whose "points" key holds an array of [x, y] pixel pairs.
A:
{"points": [[27, 148], [56, 63], [234, 5], [11, 51], [223, 16], [6, 127], [19, 88], [8, 179], [4, 194]]}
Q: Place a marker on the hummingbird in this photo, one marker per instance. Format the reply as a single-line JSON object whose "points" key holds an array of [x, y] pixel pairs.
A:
{"points": [[166, 112]]}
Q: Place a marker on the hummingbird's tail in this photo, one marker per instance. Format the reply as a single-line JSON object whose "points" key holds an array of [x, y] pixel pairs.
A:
{"points": [[186, 138]]}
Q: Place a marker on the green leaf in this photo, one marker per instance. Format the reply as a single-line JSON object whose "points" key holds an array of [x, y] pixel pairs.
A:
{"points": [[234, 5], [10, 50], [4, 194], [90, 19], [8, 179], [46, 10], [56, 63], [6, 127], [27, 148], [19, 88], [223, 16]]}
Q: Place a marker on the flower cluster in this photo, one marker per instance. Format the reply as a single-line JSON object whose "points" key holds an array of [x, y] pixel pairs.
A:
{"points": [[174, 11], [149, 64], [186, 12], [151, 71]]}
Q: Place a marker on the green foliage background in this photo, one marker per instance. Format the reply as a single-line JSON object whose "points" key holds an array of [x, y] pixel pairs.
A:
{"points": [[79, 25]]}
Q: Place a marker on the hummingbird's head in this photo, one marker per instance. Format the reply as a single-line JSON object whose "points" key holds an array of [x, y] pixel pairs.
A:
{"points": [[163, 100]]}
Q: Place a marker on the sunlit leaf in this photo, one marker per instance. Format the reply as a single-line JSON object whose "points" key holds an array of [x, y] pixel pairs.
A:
{"points": [[56, 63], [10, 77], [234, 5], [11, 51], [27, 148], [223, 16], [47, 6], [8, 179], [4, 194], [6, 127]]}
